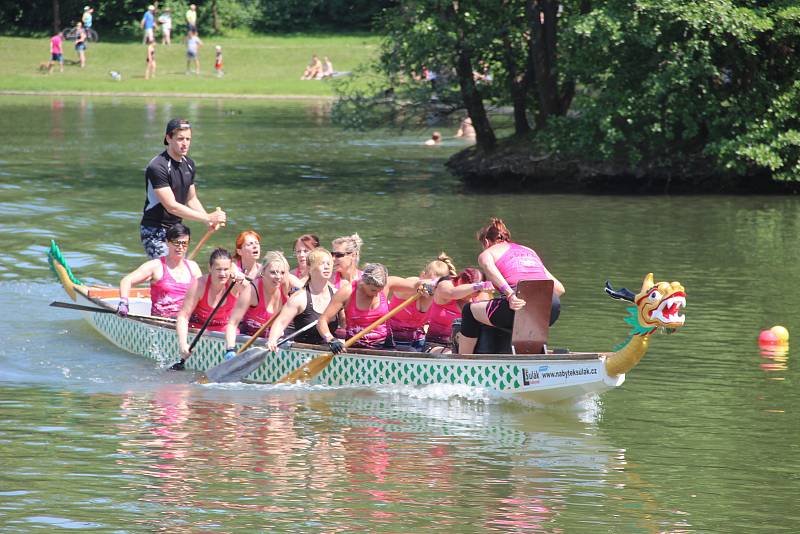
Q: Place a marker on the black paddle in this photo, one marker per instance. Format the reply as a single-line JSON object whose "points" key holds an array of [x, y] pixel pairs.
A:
{"points": [[181, 365], [246, 362], [95, 309]]}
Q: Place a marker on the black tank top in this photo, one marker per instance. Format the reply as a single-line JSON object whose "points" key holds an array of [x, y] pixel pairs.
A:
{"points": [[309, 315]]}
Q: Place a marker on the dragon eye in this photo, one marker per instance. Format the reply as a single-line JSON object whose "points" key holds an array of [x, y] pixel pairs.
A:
{"points": [[654, 295]]}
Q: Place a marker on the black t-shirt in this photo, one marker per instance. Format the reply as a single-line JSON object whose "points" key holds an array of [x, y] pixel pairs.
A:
{"points": [[163, 171]]}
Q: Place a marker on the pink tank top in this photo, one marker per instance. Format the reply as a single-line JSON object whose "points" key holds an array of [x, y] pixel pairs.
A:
{"points": [[202, 311], [358, 320], [337, 280], [520, 263], [407, 324], [440, 321], [167, 294], [259, 314]]}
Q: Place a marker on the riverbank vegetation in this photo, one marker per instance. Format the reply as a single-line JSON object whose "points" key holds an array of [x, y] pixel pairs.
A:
{"points": [[622, 94]]}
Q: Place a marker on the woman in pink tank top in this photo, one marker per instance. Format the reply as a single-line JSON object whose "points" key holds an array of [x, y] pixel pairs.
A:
{"points": [[204, 295], [346, 252], [410, 324], [451, 293], [364, 301], [170, 276], [505, 264], [260, 300]]}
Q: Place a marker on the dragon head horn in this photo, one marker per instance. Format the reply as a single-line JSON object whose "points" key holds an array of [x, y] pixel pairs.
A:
{"points": [[647, 283]]}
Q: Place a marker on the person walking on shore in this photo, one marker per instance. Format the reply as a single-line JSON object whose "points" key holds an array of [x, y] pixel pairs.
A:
{"points": [[165, 19], [171, 195], [191, 19], [193, 45], [56, 53], [80, 43], [150, 69], [148, 24]]}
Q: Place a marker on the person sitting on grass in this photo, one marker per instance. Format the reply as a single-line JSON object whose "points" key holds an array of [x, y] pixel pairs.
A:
{"points": [[327, 69], [314, 69]]}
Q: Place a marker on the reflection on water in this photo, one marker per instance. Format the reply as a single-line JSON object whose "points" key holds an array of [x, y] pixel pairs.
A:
{"points": [[701, 437]]}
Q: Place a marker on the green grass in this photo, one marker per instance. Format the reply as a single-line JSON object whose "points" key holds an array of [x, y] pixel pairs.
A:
{"points": [[254, 65]]}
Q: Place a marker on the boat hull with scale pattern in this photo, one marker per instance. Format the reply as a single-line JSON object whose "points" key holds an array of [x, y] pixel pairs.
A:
{"points": [[545, 378]]}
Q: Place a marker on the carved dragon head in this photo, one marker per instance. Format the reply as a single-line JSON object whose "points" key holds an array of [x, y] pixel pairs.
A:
{"points": [[659, 305]]}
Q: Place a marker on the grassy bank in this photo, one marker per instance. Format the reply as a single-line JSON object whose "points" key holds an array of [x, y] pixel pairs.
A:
{"points": [[258, 65]]}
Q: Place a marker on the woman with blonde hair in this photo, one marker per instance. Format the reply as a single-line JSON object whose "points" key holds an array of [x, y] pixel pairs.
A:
{"points": [[307, 305], [346, 252], [409, 325], [259, 301], [505, 263]]}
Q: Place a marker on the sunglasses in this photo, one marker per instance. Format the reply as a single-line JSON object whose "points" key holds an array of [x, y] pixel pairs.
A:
{"points": [[340, 254], [180, 243]]}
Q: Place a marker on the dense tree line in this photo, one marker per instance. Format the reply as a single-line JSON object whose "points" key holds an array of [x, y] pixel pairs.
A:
{"points": [[677, 88], [121, 17]]}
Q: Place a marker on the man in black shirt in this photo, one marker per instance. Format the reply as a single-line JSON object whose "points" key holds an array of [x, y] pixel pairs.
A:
{"points": [[171, 194]]}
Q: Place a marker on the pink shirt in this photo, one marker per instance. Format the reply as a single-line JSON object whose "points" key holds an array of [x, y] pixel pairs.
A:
{"points": [[440, 321], [203, 311], [337, 280], [167, 294], [358, 320], [55, 44], [407, 324], [259, 314], [520, 263]]}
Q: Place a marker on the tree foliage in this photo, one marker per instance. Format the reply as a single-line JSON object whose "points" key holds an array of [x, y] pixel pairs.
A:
{"points": [[642, 84]]}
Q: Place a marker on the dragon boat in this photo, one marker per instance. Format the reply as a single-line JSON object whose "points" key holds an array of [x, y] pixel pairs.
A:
{"points": [[545, 377]]}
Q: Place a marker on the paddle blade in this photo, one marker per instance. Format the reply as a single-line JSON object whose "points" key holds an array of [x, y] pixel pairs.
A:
{"points": [[238, 367], [307, 371]]}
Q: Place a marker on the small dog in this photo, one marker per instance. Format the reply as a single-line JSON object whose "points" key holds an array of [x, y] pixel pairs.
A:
{"points": [[44, 66], [116, 75]]}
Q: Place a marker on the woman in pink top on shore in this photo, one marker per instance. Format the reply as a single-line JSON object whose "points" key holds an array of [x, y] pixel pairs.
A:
{"points": [[170, 276], [364, 301], [259, 301], [505, 264]]}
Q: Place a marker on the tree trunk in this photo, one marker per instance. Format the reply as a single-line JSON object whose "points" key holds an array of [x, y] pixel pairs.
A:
{"points": [[542, 57], [56, 16], [214, 16], [517, 87], [484, 134]]}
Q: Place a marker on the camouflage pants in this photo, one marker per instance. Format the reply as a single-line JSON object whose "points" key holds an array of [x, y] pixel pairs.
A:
{"points": [[154, 241]]}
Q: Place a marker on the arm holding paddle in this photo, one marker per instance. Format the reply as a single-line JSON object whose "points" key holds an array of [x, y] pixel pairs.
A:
{"points": [[336, 304], [193, 210], [486, 262], [182, 320], [247, 298], [293, 307]]}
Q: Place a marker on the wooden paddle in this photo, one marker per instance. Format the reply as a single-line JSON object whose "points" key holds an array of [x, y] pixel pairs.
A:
{"points": [[180, 365], [257, 334], [203, 239], [315, 366], [95, 309], [235, 369]]}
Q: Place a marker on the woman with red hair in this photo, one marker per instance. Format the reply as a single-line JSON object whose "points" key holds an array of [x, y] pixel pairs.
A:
{"points": [[505, 263], [248, 251]]}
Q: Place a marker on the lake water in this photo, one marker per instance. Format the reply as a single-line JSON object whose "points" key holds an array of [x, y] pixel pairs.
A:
{"points": [[704, 436]]}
